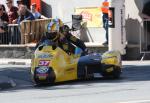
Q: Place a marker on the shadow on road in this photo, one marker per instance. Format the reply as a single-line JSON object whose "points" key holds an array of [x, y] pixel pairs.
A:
{"points": [[136, 73]]}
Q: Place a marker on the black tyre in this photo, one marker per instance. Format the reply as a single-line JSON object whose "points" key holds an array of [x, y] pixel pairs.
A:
{"points": [[115, 74]]}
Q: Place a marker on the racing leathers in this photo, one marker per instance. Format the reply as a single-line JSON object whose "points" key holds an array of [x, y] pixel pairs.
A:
{"points": [[62, 37], [68, 43]]}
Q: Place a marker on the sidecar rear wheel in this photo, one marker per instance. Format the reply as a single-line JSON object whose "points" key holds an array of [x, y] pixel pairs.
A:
{"points": [[115, 74]]}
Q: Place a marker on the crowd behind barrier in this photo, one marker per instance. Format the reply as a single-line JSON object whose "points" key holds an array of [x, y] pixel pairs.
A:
{"points": [[31, 31], [28, 31]]}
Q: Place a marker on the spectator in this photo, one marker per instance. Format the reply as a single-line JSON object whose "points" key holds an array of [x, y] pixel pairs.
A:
{"points": [[3, 18], [146, 16], [146, 11], [105, 18], [35, 13], [3, 26], [24, 14], [4, 9], [19, 2], [12, 12]]}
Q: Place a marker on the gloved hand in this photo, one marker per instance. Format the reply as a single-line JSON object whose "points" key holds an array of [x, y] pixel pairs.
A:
{"points": [[85, 52], [54, 47]]}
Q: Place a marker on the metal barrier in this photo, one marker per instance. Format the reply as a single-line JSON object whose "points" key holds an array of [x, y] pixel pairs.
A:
{"points": [[11, 35], [25, 33], [14, 34], [145, 37], [32, 31]]}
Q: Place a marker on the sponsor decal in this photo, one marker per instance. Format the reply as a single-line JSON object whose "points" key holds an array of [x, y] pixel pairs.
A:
{"points": [[86, 15], [42, 75], [42, 70], [44, 63], [44, 56], [91, 15]]}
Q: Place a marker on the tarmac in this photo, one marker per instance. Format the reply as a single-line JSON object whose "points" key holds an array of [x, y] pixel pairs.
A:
{"points": [[6, 82]]}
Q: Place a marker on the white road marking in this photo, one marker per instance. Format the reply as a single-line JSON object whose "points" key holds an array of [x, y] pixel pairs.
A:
{"points": [[138, 101]]}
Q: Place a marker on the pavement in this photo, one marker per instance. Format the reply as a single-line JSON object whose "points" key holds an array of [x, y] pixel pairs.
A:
{"points": [[6, 82], [5, 61], [136, 62]]}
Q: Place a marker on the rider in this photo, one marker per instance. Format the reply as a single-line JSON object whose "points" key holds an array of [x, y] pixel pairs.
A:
{"points": [[59, 33], [71, 39]]}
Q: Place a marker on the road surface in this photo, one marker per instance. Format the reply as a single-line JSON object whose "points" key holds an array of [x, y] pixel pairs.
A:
{"points": [[132, 87]]}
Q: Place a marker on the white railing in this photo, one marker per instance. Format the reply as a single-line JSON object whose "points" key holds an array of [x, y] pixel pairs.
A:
{"points": [[145, 38]]}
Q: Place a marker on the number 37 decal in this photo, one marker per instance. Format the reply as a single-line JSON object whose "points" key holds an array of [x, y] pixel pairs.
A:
{"points": [[44, 63]]}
